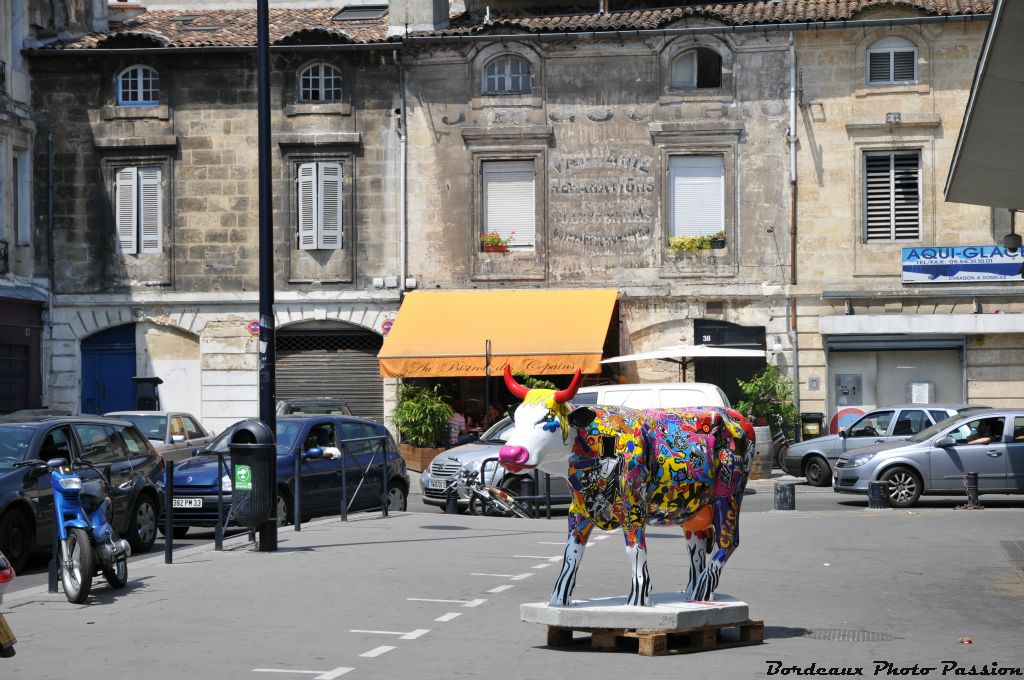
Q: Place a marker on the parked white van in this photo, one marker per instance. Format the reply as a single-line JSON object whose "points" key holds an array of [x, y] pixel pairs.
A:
{"points": [[653, 395]]}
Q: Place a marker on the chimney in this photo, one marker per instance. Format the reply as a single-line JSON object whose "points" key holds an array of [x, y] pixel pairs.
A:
{"points": [[417, 15]]}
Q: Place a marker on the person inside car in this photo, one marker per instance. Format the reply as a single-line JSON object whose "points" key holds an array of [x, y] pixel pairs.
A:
{"points": [[320, 438], [985, 433]]}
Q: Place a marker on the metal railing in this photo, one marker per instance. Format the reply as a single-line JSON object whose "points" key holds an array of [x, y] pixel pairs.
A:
{"points": [[346, 503]]}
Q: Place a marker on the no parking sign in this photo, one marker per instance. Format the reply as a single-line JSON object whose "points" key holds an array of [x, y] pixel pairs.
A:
{"points": [[254, 327], [385, 327]]}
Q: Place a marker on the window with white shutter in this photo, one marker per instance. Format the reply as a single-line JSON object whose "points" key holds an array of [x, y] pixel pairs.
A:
{"points": [[319, 205], [696, 195], [139, 209], [892, 196], [509, 201], [892, 61]]}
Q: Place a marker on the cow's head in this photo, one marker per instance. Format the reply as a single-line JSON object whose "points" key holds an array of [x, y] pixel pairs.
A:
{"points": [[545, 424]]}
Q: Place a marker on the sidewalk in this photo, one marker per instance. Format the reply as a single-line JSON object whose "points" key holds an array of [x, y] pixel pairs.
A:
{"points": [[435, 596]]}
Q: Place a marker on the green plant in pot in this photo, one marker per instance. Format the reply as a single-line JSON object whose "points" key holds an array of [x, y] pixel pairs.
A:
{"points": [[421, 416], [769, 393], [689, 244]]}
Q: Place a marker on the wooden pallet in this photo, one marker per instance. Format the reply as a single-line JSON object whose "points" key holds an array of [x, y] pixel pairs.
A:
{"points": [[659, 642]]}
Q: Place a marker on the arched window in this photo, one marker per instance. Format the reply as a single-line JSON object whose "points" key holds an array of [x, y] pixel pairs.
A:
{"points": [[320, 82], [892, 60], [507, 74], [697, 69], [138, 86]]}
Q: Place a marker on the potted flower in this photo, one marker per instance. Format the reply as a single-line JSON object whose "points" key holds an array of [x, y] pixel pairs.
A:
{"points": [[492, 242], [718, 239], [421, 416]]}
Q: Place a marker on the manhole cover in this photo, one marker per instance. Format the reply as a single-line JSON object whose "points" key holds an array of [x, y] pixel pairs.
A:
{"points": [[839, 635]]}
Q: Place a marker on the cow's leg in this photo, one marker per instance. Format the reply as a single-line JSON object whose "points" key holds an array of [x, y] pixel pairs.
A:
{"points": [[636, 553], [699, 536], [726, 509], [580, 527]]}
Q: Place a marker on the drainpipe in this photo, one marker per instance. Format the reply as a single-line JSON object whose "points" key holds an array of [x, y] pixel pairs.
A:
{"points": [[402, 154], [791, 303]]}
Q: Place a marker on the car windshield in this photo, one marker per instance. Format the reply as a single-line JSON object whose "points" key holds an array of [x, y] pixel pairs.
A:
{"points": [[154, 427], [14, 443], [497, 432], [287, 431], [929, 432]]}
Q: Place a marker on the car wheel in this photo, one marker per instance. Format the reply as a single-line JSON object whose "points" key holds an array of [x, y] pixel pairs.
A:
{"points": [[903, 487], [15, 538], [142, 525], [397, 500], [817, 471], [283, 514]]}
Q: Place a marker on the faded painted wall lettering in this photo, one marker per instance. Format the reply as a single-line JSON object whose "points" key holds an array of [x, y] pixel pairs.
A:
{"points": [[603, 158]]}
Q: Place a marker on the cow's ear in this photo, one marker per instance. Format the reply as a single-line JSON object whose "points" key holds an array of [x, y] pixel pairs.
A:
{"points": [[581, 417]]}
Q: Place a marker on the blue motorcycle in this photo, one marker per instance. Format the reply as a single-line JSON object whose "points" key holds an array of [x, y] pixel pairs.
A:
{"points": [[88, 543]]}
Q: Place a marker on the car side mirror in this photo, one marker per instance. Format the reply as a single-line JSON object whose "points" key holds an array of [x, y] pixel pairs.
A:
{"points": [[945, 442], [177, 438], [313, 453], [195, 451], [844, 434]]}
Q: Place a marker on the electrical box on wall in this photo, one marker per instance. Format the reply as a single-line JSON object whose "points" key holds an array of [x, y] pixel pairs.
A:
{"points": [[849, 389], [920, 392]]}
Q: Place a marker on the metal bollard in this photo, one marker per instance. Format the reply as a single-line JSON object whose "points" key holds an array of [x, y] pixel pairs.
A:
{"points": [[451, 502], [218, 530], [526, 489], [53, 567], [971, 483], [169, 514], [878, 496], [785, 496]]}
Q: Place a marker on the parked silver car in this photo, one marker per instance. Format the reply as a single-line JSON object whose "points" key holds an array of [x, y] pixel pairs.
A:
{"points": [[448, 465], [936, 460], [815, 458], [175, 435]]}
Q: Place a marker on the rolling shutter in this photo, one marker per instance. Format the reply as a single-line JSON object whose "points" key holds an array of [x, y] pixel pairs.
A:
{"points": [[150, 210], [892, 196], [126, 211], [697, 185], [329, 187], [307, 204], [338, 364], [509, 201]]}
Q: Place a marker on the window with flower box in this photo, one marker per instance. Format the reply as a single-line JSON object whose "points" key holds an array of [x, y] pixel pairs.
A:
{"points": [[509, 203]]}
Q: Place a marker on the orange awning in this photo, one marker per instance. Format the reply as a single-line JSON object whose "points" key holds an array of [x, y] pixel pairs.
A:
{"points": [[540, 332]]}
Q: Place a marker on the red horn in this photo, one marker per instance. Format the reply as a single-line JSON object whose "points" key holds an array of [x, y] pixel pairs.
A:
{"points": [[514, 387], [562, 396]]}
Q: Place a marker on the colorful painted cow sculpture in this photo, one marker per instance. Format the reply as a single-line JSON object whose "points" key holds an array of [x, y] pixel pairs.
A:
{"points": [[626, 467]]}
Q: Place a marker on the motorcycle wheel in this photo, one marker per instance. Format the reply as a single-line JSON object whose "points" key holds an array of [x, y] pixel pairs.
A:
{"points": [[77, 580], [117, 574], [478, 506]]}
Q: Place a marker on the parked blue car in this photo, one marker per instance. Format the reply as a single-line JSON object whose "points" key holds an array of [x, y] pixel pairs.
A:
{"points": [[196, 480]]}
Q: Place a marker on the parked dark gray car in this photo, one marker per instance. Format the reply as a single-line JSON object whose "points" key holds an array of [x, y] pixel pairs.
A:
{"points": [[937, 459], [815, 458]]}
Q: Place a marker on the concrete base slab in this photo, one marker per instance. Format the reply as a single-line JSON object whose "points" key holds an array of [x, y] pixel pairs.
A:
{"points": [[670, 612]]}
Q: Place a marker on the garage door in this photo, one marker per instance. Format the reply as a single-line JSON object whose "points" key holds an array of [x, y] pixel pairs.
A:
{"points": [[339, 364]]}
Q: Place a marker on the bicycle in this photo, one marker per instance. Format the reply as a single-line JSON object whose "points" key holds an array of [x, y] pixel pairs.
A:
{"points": [[780, 443]]}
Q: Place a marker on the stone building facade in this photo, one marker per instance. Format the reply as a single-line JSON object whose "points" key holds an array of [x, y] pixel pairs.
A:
{"points": [[597, 138]]}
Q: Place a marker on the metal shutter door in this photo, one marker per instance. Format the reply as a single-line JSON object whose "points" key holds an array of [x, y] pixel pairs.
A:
{"points": [[342, 365]]}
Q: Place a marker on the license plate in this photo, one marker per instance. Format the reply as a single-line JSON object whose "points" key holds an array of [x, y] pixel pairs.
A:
{"points": [[437, 484], [187, 502]]}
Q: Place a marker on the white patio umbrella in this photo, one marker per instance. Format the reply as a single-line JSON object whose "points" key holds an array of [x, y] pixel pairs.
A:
{"points": [[684, 354]]}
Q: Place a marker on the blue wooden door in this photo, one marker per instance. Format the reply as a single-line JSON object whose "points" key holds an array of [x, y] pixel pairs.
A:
{"points": [[108, 365]]}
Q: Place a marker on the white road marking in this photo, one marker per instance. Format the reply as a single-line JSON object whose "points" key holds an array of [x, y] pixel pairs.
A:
{"points": [[500, 589], [540, 566], [449, 616], [514, 577], [556, 558], [561, 543], [377, 651], [412, 635], [320, 675], [465, 603], [600, 538]]}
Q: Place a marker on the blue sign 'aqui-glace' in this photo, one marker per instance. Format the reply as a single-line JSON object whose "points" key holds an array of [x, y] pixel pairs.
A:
{"points": [[945, 264]]}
